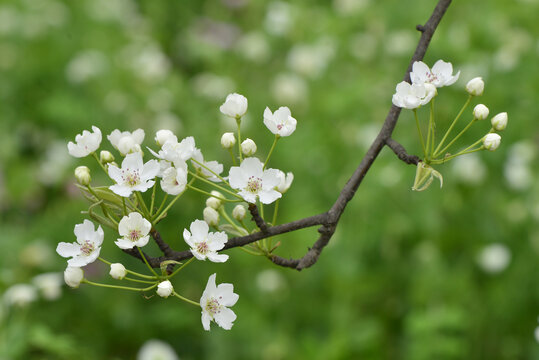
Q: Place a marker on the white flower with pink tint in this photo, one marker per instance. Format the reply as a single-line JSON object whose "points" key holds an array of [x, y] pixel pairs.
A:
{"points": [[126, 142], [215, 302], [440, 75], [134, 230], [134, 175], [280, 122], [253, 181], [85, 143], [204, 244], [87, 247]]}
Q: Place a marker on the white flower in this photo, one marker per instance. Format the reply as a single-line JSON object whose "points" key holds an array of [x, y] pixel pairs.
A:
{"points": [[86, 249], [211, 216], [49, 284], [440, 75], [214, 166], [234, 106], [215, 302], [117, 271], [162, 136], [156, 350], [73, 276], [239, 212], [86, 143], [248, 147], [175, 179], [203, 244], [499, 122], [215, 200], [253, 181], [174, 152], [126, 142], [480, 112], [494, 258], [492, 141], [134, 175], [82, 174], [475, 86], [228, 140], [411, 96], [280, 122], [134, 229], [105, 157], [285, 181], [20, 295], [165, 289]]}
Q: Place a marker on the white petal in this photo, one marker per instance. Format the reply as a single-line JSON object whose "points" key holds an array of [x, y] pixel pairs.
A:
{"points": [[142, 241], [225, 318], [206, 320], [218, 258], [269, 196], [252, 167], [84, 231], [121, 190], [187, 238], [78, 261], [248, 196], [67, 249], [199, 229], [271, 178], [114, 138], [237, 177], [132, 162], [226, 295], [124, 243], [138, 136], [150, 170], [115, 174]]}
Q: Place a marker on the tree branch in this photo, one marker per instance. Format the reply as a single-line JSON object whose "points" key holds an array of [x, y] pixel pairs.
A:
{"points": [[329, 219]]}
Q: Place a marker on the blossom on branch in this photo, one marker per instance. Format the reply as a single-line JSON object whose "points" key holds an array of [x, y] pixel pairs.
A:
{"points": [[85, 143], [412, 96], [204, 244], [134, 175], [87, 247], [253, 181], [126, 142], [280, 122], [215, 302], [234, 106], [175, 179], [134, 230], [440, 75]]}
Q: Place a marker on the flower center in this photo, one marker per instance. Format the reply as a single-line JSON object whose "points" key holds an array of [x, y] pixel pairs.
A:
{"points": [[431, 77], [213, 307], [87, 248], [254, 184], [132, 178], [202, 248], [279, 126], [134, 235]]}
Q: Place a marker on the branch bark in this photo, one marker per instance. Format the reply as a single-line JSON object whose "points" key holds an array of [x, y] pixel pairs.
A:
{"points": [[329, 219]]}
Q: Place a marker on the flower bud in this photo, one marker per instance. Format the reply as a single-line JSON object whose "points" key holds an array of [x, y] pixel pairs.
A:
{"points": [[248, 147], [239, 212], [127, 145], [228, 140], [105, 157], [162, 136], [492, 141], [284, 181], [211, 216], [73, 276], [214, 201], [164, 289], [117, 271], [82, 174], [499, 122], [475, 86], [480, 112], [424, 175], [234, 106]]}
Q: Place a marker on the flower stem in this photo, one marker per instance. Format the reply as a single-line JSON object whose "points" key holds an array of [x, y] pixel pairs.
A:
{"points": [[463, 152], [215, 185], [137, 280], [455, 139], [452, 125], [100, 164], [84, 281], [129, 271], [181, 267], [420, 134], [238, 121], [231, 152], [275, 211], [230, 221], [185, 299], [153, 199], [144, 208], [277, 137], [430, 134], [146, 261]]}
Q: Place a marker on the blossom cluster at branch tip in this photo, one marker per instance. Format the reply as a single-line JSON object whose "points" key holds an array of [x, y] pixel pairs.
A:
{"points": [[215, 303]]}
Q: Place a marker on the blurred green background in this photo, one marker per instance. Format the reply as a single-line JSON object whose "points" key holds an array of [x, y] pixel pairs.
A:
{"points": [[444, 274]]}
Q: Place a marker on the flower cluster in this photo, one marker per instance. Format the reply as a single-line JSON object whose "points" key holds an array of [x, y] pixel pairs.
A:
{"points": [[126, 206], [421, 91]]}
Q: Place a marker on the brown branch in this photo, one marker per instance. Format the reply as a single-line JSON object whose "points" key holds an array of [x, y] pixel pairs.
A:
{"points": [[329, 219]]}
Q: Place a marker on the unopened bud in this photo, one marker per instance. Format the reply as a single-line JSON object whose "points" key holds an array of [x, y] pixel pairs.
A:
{"points": [[492, 141], [106, 157], [82, 174], [73, 276], [211, 216], [248, 147], [162, 136], [214, 201], [499, 122], [284, 181], [117, 271], [165, 289], [239, 212], [480, 112], [228, 140], [475, 86]]}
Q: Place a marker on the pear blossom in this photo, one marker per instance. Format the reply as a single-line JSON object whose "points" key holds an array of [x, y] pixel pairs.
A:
{"points": [[280, 122], [499, 122], [86, 249], [73, 276], [214, 166], [253, 181], [117, 271], [239, 212], [174, 179], [205, 244], [285, 181], [248, 147], [214, 201], [215, 301], [174, 151], [85, 143], [492, 141], [82, 174], [162, 136], [211, 216], [165, 289], [234, 106], [134, 230], [105, 157], [480, 112], [411, 96], [440, 75], [134, 175], [228, 140], [475, 86], [126, 142]]}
